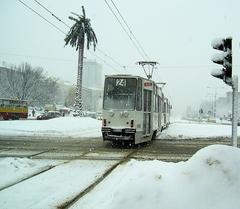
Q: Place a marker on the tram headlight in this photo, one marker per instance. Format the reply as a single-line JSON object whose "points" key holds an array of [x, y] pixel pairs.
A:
{"points": [[104, 122], [132, 123], [111, 113], [125, 113]]}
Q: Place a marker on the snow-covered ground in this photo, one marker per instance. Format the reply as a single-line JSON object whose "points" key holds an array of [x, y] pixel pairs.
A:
{"points": [[77, 127], [57, 127], [189, 129], [209, 180]]}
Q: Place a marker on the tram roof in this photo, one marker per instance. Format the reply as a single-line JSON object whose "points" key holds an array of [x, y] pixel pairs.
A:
{"points": [[127, 75]]}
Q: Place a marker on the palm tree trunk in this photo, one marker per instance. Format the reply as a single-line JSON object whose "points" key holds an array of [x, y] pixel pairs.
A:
{"points": [[78, 99]]}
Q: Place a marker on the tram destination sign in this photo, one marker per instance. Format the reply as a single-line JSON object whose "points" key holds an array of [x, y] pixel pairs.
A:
{"points": [[148, 85]]}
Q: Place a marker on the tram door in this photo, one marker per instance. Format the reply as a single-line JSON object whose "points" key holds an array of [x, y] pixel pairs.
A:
{"points": [[147, 108]]}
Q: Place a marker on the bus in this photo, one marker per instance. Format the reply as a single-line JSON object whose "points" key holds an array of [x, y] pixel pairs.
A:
{"points": [[13, 109], [134, 109]]}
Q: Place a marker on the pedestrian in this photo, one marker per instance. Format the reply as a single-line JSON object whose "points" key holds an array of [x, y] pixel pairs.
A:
{"points": [[33, 112]]}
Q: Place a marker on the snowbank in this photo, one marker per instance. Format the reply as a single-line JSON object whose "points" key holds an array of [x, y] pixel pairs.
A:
{"points": [[186, 130], [209, 180], [57, 127]]}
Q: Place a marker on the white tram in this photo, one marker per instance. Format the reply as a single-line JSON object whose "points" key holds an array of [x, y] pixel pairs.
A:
{"points": [[134, 109]]}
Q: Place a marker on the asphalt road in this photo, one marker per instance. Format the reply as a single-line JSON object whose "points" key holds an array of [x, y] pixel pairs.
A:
{"points": [[94, 148]]}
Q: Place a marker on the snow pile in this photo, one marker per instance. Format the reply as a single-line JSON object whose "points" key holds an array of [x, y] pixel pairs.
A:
{"points": [[186, 130], [57, 127], [209, 180]]}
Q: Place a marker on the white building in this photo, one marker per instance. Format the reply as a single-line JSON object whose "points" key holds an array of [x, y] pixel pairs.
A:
{"points": [[92, 75], [92, 86]]}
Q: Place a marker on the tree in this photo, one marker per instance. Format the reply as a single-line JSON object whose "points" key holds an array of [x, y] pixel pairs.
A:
{"points": [[80, 31], [26, 83]]}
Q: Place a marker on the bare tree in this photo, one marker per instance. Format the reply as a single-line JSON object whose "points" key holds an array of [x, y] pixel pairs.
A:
{"points": [[26, 83]]}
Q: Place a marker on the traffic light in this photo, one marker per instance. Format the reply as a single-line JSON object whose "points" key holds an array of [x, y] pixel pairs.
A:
{"points": [[224, 59]]}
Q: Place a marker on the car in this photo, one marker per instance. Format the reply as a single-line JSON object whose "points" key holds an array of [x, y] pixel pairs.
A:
{"points": [[49, 115]]}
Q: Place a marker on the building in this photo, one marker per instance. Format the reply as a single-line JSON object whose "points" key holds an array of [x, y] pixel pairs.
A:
{"points": [[92, 86], [92, 75]]}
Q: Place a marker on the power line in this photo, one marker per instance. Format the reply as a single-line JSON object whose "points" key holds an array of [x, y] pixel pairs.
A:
{"points": [[51, 13], [125, 22], [55, 16], [105, 62], [117, 63], [124, 29], [30, 8], [42, 17]]}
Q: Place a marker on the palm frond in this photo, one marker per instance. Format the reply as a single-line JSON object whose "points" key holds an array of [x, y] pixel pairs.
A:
{"points": [[80, 30]]}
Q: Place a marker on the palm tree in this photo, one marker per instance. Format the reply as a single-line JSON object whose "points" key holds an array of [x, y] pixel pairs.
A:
{"points": [[80, 30]]}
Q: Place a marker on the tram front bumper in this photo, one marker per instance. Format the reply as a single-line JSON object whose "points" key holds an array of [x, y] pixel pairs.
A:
{"points": [[124, 134]]}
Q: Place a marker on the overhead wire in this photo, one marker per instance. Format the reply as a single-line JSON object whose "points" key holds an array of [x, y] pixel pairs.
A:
{"points": [[130, 30], [124, 29], [41, 16], [30, 8], [51, 13], [60, 20]]}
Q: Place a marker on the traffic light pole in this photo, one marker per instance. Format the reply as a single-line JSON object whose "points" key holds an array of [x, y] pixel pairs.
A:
{"points": [[234, 110]]}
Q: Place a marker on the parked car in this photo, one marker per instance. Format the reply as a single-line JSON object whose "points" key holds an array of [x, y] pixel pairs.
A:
{"points": [[49, 115]]}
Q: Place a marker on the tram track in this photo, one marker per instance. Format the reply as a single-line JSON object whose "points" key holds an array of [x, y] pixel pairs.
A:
{"points": [[95, 150], [43, 170], [88, 189]]}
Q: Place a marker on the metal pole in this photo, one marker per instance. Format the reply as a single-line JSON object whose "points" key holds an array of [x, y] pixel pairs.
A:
{"points": [[234, 110]]}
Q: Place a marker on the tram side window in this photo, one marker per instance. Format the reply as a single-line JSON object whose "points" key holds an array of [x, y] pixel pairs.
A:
{"points": [[145, 101], [149, 101], [139, 95]]}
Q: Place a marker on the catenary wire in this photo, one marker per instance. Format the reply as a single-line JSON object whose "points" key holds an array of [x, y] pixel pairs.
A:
{"points": [[30, 8], [124, 29], [130, 30], [41, 16], [51, 13], [60, 20]]}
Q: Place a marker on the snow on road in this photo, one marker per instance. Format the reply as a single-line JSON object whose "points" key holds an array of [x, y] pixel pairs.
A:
{"points": [[209, 180], [13, 170], [51, 189]]}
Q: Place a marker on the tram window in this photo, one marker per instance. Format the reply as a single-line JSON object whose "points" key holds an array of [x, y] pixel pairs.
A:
{"points": [[159, 104], [139, 95], [156, 104], [120, 93], [145, 101], [149, 101]]}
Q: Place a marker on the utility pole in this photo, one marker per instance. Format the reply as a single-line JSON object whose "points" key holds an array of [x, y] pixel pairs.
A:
{"points": [[234, 110]]}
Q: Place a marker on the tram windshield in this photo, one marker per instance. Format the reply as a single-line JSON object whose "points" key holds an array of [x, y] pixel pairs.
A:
{"points": [[120, 93]]}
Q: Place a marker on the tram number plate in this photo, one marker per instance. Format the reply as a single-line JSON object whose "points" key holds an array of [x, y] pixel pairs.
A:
{"points": [[117, 130]]}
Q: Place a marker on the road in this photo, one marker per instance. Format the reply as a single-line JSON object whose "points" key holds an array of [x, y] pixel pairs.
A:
{"points": [[94, 148]]}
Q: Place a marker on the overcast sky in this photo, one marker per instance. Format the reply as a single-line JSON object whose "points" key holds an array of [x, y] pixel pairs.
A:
{"points": [[175, 33]]}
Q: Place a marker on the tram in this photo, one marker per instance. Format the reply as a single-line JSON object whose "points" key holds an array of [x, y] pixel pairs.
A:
{"points": [[13, 109], [134, 109]]}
